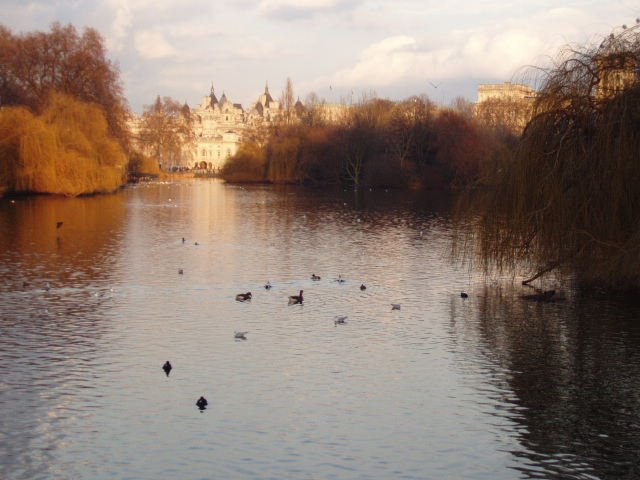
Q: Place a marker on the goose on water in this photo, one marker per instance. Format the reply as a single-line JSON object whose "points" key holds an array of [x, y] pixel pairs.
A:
{"points": [[241, 297], [295, 299]]}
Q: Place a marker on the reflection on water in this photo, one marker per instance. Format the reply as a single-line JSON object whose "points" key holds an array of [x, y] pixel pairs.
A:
{"points": [[488, 387]]}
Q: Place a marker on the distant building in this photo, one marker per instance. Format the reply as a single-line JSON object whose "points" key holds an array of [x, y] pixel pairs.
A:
{"points": [[616, 71], [219, 126], [508, 105], [616, 62], [505, 91]]}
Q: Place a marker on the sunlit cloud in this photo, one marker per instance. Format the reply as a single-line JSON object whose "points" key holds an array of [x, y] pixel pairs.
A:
{"points": [[381, 63], [153, 45]]}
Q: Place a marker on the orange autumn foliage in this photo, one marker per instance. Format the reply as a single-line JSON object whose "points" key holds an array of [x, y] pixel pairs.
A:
{"points": [[65, 150]]}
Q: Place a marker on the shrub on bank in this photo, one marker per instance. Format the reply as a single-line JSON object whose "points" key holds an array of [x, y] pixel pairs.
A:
{"points": [[247, 166], [65, 150]]}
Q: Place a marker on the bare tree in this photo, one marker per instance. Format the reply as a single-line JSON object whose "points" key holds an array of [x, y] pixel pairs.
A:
{"points": [[287, 102], [166, 129], [35, 64]]}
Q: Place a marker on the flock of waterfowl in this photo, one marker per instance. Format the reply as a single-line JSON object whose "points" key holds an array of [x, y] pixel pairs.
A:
{"points": [[202, 402]]}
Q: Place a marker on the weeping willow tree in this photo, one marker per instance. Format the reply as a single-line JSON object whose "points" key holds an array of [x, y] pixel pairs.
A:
{"points": [[570, 199], [66, 150]]}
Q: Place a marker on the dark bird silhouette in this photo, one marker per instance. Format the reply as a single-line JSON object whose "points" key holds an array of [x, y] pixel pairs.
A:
{"points": [[363, 287], [464, 295], [315, 277], [180, 271], [435, 85], [341, 320], [182, 239], [202, 403], [240, 335], [167, 367], [267, 286], [395, 306], [242, 297], [295, 299], [58, 225]]}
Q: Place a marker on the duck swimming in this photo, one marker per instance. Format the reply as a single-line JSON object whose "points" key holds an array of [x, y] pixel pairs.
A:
{"points": [[242, 297], [240, 335], [167, 367], [340, 320], [315, 277], [202, 403], [395, 306], [267, 285], [464, 295], [295, 299], [363, 287]]}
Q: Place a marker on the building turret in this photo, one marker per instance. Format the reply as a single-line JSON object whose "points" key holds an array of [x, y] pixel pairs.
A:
{"points": [[212, 96]]}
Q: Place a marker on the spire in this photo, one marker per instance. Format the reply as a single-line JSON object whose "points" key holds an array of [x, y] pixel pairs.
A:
{"points": [[266, 98], [212, 96]]}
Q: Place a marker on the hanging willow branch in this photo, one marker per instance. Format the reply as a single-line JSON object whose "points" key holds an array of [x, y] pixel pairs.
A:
{"points": [[570, 200]]}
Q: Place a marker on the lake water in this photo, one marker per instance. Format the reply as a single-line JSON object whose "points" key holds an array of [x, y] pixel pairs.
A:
{"points": [[489, 387]]}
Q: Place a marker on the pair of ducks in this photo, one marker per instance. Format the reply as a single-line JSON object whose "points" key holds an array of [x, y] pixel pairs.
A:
{"points": [[202, 402], [293, 299]]}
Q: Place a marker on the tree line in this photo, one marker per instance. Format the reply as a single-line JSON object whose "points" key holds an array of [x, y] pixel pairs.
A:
{"points": [[63, 113], [377, 143]]}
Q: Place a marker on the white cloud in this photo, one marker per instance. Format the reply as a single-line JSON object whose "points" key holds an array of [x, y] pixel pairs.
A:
{"points": [[121, 23], [380, 64], [153, 45]]}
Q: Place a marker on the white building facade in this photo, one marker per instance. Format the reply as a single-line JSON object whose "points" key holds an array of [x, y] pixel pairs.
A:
{"points": [[219, 125]]}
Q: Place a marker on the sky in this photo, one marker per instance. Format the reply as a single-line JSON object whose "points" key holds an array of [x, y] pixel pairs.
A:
{"points": [[342, 50]]}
